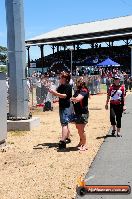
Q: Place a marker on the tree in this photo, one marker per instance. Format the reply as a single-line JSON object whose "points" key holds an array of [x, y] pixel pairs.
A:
{"points": [[3, 54], [3, 69]]}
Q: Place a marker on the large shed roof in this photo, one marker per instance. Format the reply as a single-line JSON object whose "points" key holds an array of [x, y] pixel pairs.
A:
{"points": [[87, 31]]}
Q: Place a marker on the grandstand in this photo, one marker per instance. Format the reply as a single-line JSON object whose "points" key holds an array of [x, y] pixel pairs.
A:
{"points": [[93, 35]]}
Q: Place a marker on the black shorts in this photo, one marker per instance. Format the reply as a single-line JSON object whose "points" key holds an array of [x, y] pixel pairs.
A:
{"points": [[81, 119]]}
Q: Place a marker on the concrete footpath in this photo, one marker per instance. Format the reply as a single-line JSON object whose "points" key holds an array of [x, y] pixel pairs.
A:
{"points": [[113, 163]]}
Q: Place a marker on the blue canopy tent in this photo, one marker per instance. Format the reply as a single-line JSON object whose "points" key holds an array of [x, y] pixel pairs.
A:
{"points": [[108, 62]]}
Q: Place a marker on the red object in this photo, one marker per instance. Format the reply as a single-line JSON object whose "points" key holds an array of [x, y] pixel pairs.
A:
{"points": [[116, 102], [40, 105]]}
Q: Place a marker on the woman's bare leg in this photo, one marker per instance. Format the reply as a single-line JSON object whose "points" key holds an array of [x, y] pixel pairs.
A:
{"points": [[82, 135]]}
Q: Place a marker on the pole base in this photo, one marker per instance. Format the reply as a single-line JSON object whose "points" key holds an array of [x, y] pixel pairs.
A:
{"points": [[23, 125]]}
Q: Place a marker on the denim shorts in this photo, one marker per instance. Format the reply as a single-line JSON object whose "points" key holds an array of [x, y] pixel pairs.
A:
{"points": [[64, 116]]}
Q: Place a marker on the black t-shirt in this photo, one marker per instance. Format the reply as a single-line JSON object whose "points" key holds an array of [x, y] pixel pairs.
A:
{"points": [[81, 107], [65, 89]]}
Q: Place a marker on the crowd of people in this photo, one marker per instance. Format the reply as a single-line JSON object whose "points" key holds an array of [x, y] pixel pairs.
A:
{"points": [[61, 60], [42, 81]]}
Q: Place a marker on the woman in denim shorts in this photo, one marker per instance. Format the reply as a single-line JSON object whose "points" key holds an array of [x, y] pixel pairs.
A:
{"points": [[64, 93], [80, 100]]}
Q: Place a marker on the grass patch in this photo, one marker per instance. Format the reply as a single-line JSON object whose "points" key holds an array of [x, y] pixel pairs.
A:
{"points": [[11, 143], [103, 87]]}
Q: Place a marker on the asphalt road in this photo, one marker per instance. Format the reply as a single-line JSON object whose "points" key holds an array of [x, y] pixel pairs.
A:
{"points": [[113, 163]]}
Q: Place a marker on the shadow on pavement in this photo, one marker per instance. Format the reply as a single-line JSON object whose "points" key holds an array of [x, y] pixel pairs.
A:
{"points": [[49, 145], [54, 145], [106, 136], [68, 149]]}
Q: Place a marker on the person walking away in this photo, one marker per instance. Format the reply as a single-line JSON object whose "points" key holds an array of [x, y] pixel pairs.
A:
{"points": [[130, 83], [64, 93], [80, 102], [116, 95], [126, 82]]}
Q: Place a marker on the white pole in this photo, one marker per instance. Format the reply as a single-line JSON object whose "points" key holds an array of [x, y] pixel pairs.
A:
{"points": [[71, 62]]}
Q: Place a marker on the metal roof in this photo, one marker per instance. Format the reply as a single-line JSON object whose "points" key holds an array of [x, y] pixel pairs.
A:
{"points": [[86, 31]]}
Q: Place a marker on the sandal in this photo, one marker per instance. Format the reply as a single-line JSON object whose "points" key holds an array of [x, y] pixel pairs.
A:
{"points": [[82, 148], [79, 145]]}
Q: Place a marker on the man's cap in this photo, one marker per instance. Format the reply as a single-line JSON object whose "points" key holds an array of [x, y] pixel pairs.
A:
{"points": [[116, 77]]}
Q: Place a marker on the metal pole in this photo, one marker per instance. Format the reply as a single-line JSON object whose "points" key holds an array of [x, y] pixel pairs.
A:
{"points": [[42, 57], [28, 49], [71, 62], [18, 95], [131, 60], [28, 66]]}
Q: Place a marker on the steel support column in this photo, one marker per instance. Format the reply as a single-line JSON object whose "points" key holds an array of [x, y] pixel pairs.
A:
{"points": [[42, 57], [18, 98], [28, 50]]}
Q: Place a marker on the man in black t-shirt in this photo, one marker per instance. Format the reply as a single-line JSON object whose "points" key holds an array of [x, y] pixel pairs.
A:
{"points": [[65, 89], [64, 93]]}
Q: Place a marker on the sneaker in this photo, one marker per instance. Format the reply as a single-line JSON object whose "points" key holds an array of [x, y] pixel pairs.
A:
{"points": [[62, 144], [68, 140], [113, 132]]}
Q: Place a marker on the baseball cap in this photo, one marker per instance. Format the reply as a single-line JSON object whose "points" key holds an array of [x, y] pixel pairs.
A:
{"points": [[116, 77]]}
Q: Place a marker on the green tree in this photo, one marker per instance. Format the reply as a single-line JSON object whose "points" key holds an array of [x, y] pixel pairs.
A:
{"points": [[3, 54], [3, 69]]}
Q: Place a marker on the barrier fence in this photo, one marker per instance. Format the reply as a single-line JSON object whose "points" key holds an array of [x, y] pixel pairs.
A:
{"points": [[38, 89], [38, 94]]}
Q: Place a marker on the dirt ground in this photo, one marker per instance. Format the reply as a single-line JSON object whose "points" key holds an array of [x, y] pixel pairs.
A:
{"points": [[32, 168]]}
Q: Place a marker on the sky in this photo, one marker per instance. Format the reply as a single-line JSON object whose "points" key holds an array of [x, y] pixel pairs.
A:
{"points": [[41, 16]]}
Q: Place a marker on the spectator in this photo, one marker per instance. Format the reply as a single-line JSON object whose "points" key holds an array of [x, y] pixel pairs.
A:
{"points": [[64, 93], [80, 100], [130, 83], [116, 95]]}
